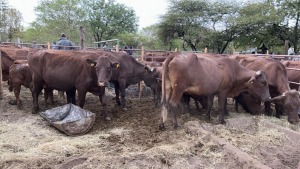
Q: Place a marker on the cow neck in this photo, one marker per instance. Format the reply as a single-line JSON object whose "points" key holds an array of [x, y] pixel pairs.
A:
{"points": [[242, 78], [4, 54], [284, 87], [138, 70]]}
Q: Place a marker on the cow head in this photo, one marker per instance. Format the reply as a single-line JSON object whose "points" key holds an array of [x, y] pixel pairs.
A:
{"points": [[258, 86], [290, 102], [103, 67]]}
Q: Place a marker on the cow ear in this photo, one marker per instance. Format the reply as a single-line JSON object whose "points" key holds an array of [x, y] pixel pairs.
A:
{"points": [[115, 64], [91, 62], [278, 99]]}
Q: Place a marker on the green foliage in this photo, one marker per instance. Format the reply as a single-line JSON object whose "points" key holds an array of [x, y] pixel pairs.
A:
{"points": [[102, 20], [107, 19], [255, 22], [198, 24], [59, 16], [10, 21]]}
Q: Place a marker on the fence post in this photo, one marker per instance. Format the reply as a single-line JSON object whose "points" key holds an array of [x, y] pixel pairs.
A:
{"points": [[175, 49], [140, 84], [286, 46], [1, 89], [49, 46], [205, 50], [143, 53], [81, 37], [117, 48]]}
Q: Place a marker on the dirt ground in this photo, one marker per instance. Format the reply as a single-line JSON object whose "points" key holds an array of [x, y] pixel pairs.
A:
{"points": [[132, 139]]}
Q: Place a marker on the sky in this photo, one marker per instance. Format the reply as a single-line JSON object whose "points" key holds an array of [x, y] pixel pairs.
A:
{"points": [[148, 11]]}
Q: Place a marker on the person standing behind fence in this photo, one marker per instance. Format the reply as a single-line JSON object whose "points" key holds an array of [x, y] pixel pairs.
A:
{"points": [[64, 43], [130, 50]]}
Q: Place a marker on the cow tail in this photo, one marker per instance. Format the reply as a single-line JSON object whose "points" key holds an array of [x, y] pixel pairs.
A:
{"points": [[165, 81]]}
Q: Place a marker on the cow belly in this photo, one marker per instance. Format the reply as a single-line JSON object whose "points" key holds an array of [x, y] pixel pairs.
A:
{"points": [[59, 83], [197, 91]]}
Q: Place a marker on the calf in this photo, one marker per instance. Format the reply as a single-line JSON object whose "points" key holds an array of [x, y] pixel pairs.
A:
{"points": [[21, 75], [202, 76], [8, 56]]}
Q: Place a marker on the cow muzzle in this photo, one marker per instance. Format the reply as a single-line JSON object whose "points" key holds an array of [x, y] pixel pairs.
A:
{"points": [[102, 84]]}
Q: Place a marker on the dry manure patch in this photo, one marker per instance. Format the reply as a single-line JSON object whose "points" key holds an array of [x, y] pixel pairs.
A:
{"points": [[132, 139]]}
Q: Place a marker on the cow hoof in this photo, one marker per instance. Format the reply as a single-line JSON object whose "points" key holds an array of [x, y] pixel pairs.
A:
{"points": [[161, 127], [20, 107], [208, 118], [176, 126], [107, 119], [222, 122], [124, 109], [186, 115], [12, 102], [34, 111]]}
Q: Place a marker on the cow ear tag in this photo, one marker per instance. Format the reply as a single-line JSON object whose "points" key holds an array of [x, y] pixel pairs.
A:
{"points": [[92, 64], [118, 65]]}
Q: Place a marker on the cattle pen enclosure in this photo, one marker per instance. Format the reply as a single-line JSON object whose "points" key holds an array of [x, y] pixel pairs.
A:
{"points": [[132, 139]]}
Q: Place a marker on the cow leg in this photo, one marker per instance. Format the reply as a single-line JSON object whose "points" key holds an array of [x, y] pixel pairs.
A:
{"points": [[210, 100], [221, 104], [48, 94], [155, 97], [268, 110], [225, 108], [117, 91], [122, 90], [17, 89], [71, 96], [61, 95], [174, 100], [81, 97], [236, 104], [103, 101], [279, 110], [197, 104], [35, 95], [184, 104], [163, 117]]}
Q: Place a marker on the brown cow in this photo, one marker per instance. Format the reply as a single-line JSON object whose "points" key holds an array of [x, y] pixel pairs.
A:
{"points": [[250, 105], [20, 75], [70, 71], [280, 91], [9, 55], [153, 80], [202, 76], [293, 75], [130, 72]]}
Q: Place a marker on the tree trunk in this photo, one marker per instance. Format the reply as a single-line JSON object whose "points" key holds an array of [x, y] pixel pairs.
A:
{"points": [[296, 36], [81, 37]]}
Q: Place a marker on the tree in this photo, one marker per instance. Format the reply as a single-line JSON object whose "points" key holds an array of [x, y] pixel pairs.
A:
{"points": [[149, 38], [10, 24], [258, 23], [291, 10], [59, 16], [107, 19], [196, 23], [3, 7]]}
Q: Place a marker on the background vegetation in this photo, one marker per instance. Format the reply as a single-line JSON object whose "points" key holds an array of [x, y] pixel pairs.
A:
{"points": [[221, 26]]}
